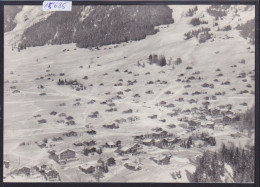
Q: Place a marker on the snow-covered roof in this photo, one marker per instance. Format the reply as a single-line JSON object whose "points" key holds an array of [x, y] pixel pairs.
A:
{"points": [[147, 140], [110, 143], [65, 150]]}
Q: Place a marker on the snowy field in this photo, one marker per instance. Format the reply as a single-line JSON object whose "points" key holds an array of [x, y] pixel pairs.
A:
{"points": [[23, 68]]}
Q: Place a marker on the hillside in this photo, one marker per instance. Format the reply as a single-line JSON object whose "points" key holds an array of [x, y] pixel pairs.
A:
{"points": [[147, 102], [93, 26]]}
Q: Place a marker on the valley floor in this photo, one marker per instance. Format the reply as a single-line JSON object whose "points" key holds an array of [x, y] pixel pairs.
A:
{"points": [[117, 91]]}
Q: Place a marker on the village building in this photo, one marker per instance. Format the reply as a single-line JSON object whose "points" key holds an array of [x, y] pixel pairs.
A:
{"points": [[77, 143], [148, 142], [90, 143], [194, 123], [215, 112], [210, 124], [219, 127], [110, 144], [51, 175], [163, 143], [92, 132], [187, 112], [228, 113], [112, 126], [162, 159], [111, 161], [64, 156], [6, 164], [157, 129], [227, 119], [23, 171], [132, 166], [127, 150], [88, 169]]}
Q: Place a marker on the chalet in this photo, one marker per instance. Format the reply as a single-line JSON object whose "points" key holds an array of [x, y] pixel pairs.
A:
{"points": [[194, 123], [42, 168], [77, 143], [94, 114], [71, 133], [219, 127], [229, 112], [66, 156], [173, 114], [162, 134], [110, 144], [163, 103], [229, 106], [161, 143], [111, 161], [180, 99], [71, 122], [118, 143], [6, 164], [187, 112], [170, 105], [140, 137], [148, 142], [92, 150], [51, 175], [210, 124], [194, 110], [42, 144], [88, 169], [162, 160], [217, 120], [236, 118], [210, 140], [215, 112], [192, 101], [202, 117], [69, 118], [121, 120], [57, 139], [172, 141], [153, 116], [112, 126], [191, 128], [227, 119], [132, 166], [203, 124], [213, 97], [90, 143], [92, 132], [127, 150], [157, 129], [24, 171]]}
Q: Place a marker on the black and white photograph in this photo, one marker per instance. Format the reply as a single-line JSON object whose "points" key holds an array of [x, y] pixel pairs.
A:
{"points": [[150, 93]]}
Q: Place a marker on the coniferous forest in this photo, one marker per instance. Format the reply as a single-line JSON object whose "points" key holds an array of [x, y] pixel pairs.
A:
{"points": [[104, 25]]}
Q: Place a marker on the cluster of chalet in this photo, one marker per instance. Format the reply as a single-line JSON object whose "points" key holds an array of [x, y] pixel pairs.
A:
{"points": [[131, 149], [215, 118], [101, 165], [159, 138], [161, 143], [47, 172], [158, 134]]}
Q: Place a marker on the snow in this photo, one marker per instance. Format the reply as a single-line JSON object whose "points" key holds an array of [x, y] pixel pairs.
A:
{"points": [[21, 126]]}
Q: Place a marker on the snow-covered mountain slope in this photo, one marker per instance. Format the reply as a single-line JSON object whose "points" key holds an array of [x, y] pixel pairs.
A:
{"points": [[114, 80], [24, 19]]}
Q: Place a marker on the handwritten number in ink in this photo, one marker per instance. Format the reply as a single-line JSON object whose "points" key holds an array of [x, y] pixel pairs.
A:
{"points": [[50, 5]]}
